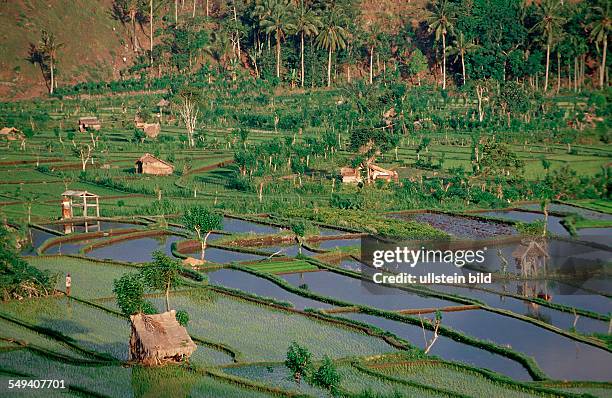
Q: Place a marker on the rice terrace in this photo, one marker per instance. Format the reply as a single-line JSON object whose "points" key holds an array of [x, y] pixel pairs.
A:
{"points": [[305, 198]]}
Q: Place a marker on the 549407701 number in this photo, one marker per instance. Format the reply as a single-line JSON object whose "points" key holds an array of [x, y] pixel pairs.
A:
{"points": [[36, 384]]}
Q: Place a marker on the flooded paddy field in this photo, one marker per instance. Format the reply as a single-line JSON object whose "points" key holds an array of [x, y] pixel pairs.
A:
{"points": [[461, 227]]}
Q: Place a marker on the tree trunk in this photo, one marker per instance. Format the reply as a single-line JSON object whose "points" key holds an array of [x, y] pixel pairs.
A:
{"points": [[603, 62], [443, 61], [371, 61], [135, 42], [167, 296], [207, 12], [175, 11], [302, 60], [194, 9], [278, 53], [558, 71], [151, 30], [329, 59], [52, 75], [463, 65], [547, 64]]}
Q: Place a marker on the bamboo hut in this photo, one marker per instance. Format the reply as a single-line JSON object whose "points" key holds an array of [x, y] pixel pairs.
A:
{"points": [[530, 256], [159, 339]]}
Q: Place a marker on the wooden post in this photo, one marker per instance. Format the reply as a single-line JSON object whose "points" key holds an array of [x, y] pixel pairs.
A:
{"points": [[97, 207]]}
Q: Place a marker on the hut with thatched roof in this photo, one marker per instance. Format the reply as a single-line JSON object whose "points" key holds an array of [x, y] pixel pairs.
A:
{"points": [[159, 339], [350, 175], [11, 134], [89, 123], [149, 164]]}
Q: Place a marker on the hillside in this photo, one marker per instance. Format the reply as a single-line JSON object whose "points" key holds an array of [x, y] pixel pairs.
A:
{"points": [[92, 42]]}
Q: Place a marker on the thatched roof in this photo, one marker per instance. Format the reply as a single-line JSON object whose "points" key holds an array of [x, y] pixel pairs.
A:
{"points": [[89, 120], [151, 129], [80, 194], [163, 103], [374, 167], [530, 248], [159, 338], [194, 262], [11, 133], [147, 157]]}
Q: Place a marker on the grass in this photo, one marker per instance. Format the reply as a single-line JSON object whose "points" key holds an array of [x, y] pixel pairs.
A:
{"points": [[90, 279], [221, 319], [450, 378], [118, 381], [89, 327], [282, 267]]}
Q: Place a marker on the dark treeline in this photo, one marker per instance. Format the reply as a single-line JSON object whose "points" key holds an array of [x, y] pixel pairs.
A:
{"points": [[548, 44]]}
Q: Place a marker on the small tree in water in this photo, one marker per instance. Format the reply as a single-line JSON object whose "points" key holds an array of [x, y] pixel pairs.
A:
{"points": [[298, 361], [202, 220], [162, 274]]}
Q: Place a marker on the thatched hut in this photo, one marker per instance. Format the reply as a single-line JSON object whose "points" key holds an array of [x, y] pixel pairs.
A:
{"points": [[158, 339], [149, 164], [11, 134], [350, 175], [531, 256], [89, 123], [380, 173]]}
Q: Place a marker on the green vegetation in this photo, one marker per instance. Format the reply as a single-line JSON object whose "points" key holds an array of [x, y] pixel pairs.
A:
{"points": [[282, 267]]}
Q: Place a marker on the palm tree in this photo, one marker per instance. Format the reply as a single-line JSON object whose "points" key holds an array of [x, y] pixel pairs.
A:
{"points": [[306, 23], [278, 22], [441, 22], [373, 38], [49, 47], [459, 48], [332, 36], [551, 20], [600, 27]]}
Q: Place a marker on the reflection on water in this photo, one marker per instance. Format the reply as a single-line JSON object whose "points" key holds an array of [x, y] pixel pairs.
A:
{"points": [[135, 250]]}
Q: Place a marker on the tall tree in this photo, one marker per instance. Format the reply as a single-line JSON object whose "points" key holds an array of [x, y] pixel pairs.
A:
{"points": [[278, 22], [49, 47], [551, 19], [307, 23], [441, 23], [600, 26], [460, 47], [333, 35]]}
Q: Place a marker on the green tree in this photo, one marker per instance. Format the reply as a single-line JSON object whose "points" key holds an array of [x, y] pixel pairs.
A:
{"points": [[278, 22], [18, 279], [416, 64], [129, 290], [299, 229], [332, 36], [203, 221], [49, 45], [162, 274], [306, 24], [599, 27], [327, 376], [441, 23], [298, 361], [551, 20], [460, 47]]}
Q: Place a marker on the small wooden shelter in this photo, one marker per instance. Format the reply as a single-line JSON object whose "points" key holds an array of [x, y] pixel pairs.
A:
{"points": [[378, 173], [89, 123], [151, 130], [149, 164], [78, 199], [530, 256], [350, 175], [158, 339]]}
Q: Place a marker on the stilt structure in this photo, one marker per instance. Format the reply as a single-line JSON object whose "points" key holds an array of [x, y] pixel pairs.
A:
{"points": [[72, 200]]}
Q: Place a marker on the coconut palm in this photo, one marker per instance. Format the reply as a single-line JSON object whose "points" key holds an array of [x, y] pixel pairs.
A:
{"points": [[550, 14], [307, 23], [441, 22], [333, 36], [600, 27], [459, 48], [278, 22]]}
